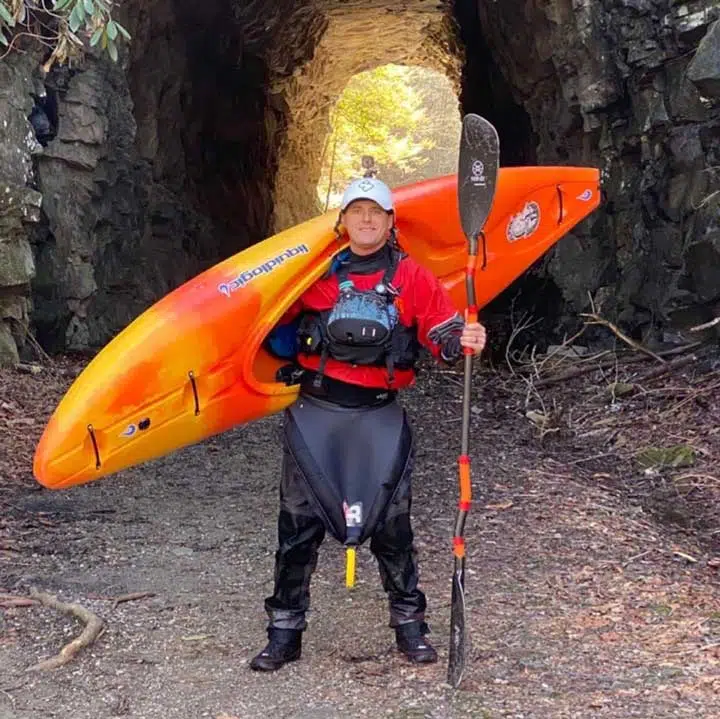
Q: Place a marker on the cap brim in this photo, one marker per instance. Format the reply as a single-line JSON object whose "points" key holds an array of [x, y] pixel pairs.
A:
{"points": [[372, 199]]}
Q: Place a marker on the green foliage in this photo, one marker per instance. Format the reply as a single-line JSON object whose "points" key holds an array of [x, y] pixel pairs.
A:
{"points": [[64, 26], [379, 114]]}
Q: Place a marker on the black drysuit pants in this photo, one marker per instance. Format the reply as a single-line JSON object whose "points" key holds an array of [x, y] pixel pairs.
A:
{"points": [[301, 531]]}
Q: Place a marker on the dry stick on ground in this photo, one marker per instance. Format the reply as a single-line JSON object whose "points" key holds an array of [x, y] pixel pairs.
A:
{"points": [[29, 335], [11, 600], [539, 365], [709, 198], [694, 395], [668, 367], [526, 322], [706, 325], [587, 368], [93, 627], [597, 320], [134, 596]]}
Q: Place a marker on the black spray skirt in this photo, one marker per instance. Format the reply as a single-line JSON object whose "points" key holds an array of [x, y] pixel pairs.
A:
{"points": [[353, 461]]}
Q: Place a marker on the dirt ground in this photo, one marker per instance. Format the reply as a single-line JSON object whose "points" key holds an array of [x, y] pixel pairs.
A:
{"points": [[593, 567]]}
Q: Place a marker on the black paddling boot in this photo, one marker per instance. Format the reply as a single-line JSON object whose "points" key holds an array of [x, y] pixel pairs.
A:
{"points": [[412, 643], [284, 646]]}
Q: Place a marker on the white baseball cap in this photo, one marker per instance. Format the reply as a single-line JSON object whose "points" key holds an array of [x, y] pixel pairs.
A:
{"points": [[368, 188]]}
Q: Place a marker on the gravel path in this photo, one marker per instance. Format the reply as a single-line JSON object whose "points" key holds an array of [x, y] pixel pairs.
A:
{"points": [[581, 604]]}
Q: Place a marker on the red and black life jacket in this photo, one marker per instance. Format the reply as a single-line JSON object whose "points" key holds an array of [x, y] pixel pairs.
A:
{"points": [[362, 328]]}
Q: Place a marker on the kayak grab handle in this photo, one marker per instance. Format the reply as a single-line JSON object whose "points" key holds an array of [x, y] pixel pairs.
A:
{"points": [[91, 432], [191, 375], [560, 200]]}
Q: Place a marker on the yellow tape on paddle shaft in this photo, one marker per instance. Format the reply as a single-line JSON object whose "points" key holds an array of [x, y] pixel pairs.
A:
{"points": [[350, 567]]}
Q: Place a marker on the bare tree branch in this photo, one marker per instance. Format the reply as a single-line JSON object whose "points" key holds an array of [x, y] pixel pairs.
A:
{"points": [[92, 630]]}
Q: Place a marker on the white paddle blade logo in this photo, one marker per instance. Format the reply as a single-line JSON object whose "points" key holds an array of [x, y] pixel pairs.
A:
{"points": [[477, 174]]}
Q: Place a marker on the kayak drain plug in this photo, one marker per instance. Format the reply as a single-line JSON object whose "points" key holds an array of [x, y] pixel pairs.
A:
{"points": [[95, 446], [191, 375]]}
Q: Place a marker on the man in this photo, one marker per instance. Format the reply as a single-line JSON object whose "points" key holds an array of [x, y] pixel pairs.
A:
{"points": [[348, 445]]}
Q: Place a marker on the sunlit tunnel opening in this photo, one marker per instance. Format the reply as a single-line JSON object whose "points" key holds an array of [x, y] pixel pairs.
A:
{"points": [[395, 122]]}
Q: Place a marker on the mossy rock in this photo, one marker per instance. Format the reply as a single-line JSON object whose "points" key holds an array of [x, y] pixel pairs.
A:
{"points": [[679, 455]]}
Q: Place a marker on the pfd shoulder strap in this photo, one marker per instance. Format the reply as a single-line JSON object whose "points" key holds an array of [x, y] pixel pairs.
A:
{"points": [[341, 259]]}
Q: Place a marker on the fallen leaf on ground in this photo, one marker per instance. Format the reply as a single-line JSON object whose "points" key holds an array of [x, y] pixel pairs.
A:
{"points": [[501, 505]]}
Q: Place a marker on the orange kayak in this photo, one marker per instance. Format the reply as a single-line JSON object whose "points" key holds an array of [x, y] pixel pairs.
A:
{"points": [[193, 365]]}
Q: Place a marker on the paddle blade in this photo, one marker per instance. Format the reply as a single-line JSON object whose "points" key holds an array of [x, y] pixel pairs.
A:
{"points": [[478, 163], [456, 661]]}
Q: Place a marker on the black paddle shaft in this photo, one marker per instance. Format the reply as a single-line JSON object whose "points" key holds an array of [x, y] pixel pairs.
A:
{"points": [[478, 165]]}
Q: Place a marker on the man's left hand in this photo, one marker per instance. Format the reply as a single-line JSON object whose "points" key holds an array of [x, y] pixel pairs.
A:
{"points": [[474, 337]]}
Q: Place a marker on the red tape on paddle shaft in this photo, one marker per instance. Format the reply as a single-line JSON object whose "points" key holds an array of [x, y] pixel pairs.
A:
{"points": [[459, 547], [465, 483]]}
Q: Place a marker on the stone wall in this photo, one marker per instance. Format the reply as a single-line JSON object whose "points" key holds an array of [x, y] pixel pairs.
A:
{"points": [[19, 202], [630, 86], [350, 37], [112, 239], [207, 123]]}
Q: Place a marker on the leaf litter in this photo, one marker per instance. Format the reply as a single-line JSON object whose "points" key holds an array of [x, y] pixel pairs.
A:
{"points": [[592, 580]]}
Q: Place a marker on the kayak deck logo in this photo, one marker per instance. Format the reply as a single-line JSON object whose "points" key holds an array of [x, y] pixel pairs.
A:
{"points": [[524, 223], [227, 288]]}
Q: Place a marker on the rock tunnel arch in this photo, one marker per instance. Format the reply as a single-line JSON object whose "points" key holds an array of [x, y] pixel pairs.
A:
{"points": [[206, 139], [342, 53], [280, 67]]}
